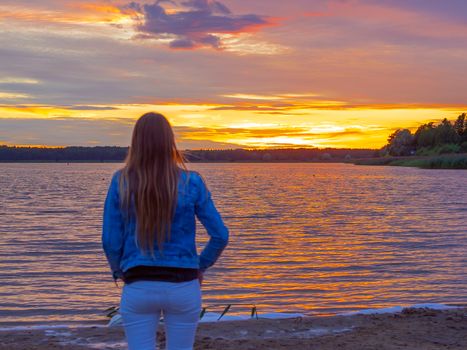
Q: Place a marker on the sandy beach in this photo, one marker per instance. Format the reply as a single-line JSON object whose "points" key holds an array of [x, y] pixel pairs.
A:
{"points": [[414, 329]]}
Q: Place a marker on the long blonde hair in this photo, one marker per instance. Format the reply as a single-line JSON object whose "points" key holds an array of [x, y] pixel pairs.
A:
{"points": [[150, 179]]}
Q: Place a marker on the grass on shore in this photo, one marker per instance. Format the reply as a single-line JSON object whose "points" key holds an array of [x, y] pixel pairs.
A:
{"points": [[446, 161]]}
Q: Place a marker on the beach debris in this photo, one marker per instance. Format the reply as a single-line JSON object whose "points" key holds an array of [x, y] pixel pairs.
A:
{"points": [[214, 317], [111, 311], [115, 321], [225, 311], [202, 313], [205, 316], [254, 312]]}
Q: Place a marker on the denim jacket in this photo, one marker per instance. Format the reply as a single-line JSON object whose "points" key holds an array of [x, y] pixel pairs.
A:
{"points": [[194, 200]]}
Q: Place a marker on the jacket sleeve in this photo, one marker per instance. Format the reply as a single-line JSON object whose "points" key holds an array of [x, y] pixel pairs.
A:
{"points": [[112, 228], [208, 215]]}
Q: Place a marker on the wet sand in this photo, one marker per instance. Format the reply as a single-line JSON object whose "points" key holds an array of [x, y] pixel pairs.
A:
{"points": [[415, 329]]}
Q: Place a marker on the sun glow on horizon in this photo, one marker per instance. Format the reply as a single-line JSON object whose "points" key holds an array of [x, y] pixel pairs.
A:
{"points": [[206, 124]]}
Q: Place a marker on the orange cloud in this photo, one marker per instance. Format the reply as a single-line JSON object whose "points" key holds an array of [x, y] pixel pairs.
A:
{"points": [[72, 13], [95, 8]]}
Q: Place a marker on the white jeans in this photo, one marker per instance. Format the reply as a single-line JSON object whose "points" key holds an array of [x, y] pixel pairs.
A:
{"points": [[142, 303]]}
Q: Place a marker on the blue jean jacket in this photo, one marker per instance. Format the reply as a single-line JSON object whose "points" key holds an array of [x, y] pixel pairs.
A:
{"points": [[194, 200]]}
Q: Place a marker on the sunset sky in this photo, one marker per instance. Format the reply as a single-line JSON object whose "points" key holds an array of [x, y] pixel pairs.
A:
{"points": [[230, 73]]}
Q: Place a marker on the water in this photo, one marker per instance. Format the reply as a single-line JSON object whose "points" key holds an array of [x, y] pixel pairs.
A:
{"points": [[310, 238]]}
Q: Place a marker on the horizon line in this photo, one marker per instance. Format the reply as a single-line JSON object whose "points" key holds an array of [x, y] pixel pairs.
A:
{"points": [[194, 149]]}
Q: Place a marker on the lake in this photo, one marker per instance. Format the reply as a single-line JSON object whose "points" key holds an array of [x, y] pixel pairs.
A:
{"points": [[305, 237]]}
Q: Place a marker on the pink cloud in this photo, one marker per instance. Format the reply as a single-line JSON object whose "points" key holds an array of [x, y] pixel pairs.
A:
{"points": [[193, 23]]}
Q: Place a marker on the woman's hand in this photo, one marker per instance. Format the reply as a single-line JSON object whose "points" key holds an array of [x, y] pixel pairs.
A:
{"points": [[118, 275], [200, 277]]}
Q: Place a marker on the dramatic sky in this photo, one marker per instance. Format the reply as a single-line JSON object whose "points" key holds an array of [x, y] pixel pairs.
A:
{"points": [[230, 73]]}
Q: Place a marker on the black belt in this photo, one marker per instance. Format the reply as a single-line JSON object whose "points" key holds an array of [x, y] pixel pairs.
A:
{"points": [[160, 273]]}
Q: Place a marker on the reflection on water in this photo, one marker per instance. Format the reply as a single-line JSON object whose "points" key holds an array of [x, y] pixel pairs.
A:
{"points": [[313, 238]]}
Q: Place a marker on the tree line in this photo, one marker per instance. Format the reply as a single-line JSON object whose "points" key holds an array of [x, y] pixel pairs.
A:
{"points": [[429, 139], [118, 154]]}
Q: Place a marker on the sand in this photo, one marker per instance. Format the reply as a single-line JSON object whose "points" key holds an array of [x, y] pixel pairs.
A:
{"points": [[415, 329]]}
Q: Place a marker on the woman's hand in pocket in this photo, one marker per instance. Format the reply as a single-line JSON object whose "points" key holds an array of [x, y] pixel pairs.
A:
{"points": [[200, 277]]}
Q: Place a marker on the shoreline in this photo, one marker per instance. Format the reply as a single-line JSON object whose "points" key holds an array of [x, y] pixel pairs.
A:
{"points": [[456, 161], [412, 328]]}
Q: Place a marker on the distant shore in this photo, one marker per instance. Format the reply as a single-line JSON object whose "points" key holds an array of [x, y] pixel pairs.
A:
{"points": [[105, 154], [445, 161], [114, 154], [414, 329]]}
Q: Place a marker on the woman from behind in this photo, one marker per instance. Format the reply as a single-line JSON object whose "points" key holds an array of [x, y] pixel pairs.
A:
{"points": [[149, 233]]}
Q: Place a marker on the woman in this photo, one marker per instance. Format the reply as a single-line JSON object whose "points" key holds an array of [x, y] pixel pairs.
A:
{"points": [[148, 237]]}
